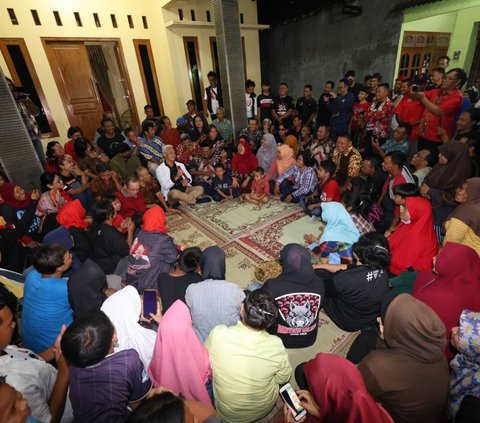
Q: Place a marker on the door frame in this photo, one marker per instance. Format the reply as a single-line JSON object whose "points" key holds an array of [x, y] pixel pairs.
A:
{"points": [[136, 43], [121, 64], [4, 42]]}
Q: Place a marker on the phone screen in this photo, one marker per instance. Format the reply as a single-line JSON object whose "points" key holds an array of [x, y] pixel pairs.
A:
{"points": [[149, 302], [293, 402]]}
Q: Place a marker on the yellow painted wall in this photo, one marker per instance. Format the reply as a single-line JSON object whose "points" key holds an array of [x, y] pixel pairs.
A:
{"points": [[459, 17], [167, 43]]}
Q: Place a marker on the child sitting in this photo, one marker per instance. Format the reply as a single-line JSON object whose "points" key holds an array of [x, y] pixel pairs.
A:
{"points": [[358, 203], [103, 384], [119, 222], [328, 190], [222, 184], [260, 193]]}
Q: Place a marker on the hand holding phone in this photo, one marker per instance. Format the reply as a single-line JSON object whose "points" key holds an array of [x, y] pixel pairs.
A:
{"points": [[292, 401], [150, 303]]}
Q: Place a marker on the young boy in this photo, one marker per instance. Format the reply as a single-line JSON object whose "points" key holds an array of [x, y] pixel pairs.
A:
{"points": [[260, 189], [357, 123], [328, 190], [103, 384], [222, 184]]}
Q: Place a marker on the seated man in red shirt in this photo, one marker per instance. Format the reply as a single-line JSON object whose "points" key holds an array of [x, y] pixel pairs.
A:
{"points": [[131, 198], [440, 107]]}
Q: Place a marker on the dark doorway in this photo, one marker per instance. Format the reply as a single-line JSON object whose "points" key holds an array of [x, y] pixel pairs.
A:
{"points": [[194, 70]]}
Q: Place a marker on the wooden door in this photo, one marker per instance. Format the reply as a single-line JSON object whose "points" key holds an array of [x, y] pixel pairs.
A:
{"points": [[73, 75]]}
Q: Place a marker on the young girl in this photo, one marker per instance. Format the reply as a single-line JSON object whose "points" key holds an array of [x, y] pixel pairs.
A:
{"points": [[328, 190], [260, 190]]}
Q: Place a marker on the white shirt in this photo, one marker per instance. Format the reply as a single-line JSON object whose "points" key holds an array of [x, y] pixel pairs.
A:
{"points": [[214, 99], [163, 176]]}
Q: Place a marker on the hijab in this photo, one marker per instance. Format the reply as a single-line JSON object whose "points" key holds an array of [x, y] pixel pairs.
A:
{"points": [[286, 159], [245, 163], [123, 309], [469, 212], [414, 329], [7, 192], [267, 152], [72, 214], [407, 247], [180, 361], [154, 220], [447, 177], [62, 236], [340, 392], [292, 142], [85, 287], [339, 224], [454, 286], [465, 367], [296, 264], [212, 263]]}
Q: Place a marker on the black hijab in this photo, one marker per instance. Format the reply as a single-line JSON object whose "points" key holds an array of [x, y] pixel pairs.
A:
{"points": [[85, 287], [297, 264], [212, 263]]}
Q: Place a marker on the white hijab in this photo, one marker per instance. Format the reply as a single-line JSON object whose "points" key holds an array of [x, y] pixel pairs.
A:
{"points": [[123, 309]]}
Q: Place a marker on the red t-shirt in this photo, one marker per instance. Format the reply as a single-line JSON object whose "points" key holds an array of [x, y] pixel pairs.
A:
{"points": [[261, 187], [410, 111], [69, 148], [170, 137], [449, 103], [359, 109], [330, 190], [130, 205]]}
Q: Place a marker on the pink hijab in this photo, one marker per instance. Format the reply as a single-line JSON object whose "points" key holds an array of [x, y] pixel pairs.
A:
{"points": [[180, 361]]}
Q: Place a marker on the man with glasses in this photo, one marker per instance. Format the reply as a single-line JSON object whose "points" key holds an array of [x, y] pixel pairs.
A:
{"points": [[131, 197], [422, 162], [441, 104]]}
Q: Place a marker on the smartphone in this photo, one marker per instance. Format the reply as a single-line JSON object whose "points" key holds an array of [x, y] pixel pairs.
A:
{"points": [[150, 303], [290, 398], [415, 88]]}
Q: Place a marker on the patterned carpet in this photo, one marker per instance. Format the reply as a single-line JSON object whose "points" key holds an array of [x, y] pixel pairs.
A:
{"points": [[250, 237]]}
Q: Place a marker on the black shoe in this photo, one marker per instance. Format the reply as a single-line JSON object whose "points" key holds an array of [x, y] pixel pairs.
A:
{"points": [[203, 199]]}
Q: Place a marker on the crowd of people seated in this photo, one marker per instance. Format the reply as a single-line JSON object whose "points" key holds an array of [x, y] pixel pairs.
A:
{"points": [[391, 175]]}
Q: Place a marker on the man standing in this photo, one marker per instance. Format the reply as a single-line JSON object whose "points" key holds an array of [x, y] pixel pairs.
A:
{"points": [[265, 103], [353, 87], [443, 62], [375, 80], [378, 118], [474, 91], [440, 107], [191, 113], [340, 108], [306, 106], [283, 106], [250, 99], [323, 115], [213, 95]]}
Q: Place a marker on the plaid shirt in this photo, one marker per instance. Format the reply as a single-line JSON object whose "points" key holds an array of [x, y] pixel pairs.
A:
{"points": [[362, 225], [305, 182]]}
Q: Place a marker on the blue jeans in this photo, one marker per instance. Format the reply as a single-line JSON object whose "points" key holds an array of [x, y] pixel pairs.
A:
{"points": [[317, 211]]}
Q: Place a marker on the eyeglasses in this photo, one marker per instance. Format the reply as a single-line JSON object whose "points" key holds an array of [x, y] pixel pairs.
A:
{"points": [[281, 129]]}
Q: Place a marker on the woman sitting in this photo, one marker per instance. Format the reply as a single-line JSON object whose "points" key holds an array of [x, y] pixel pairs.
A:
{"points": [[153, 251], [213, 301], [283, 163], [88, 157], [334, 392], [353, 295], [440, 184], [246, 389], [408, 373], [213, 137], [173, 285], [267, 152], [108, 246], [123, 308], [464, 401], [72, 217], [75, 180], [463, 225], [409, 250], [45, 302], [180, 361], [452, 285], [243, 164], [52, 200], [199, 131], [338, 235], [299, 296], [54, 150]]}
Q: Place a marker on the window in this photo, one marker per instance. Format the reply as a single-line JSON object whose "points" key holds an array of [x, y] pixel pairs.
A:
{"points": [[57, 17], [241, 18], [13, 17], [36, 18], [114, 21], [192, 14], [145, 22], [180, 14], [209, 18], [97, 20], [78, 20], [130, 21]]}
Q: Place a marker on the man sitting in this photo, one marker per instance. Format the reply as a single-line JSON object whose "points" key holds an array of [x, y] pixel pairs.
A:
{"points": [[399, 142], [151, 148], [347, 159], [131, 198]]}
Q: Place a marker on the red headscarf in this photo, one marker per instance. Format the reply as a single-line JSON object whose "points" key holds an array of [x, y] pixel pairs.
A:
{"points": [[414, 245], [72, 214], [246, 163], [340, 392], [154, 220], [6, 191], [455, 285]]}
